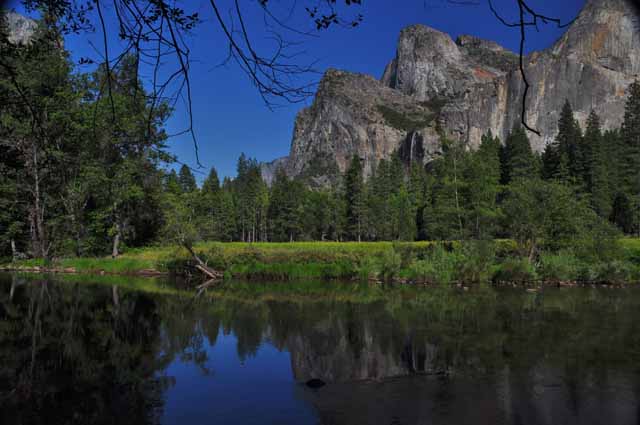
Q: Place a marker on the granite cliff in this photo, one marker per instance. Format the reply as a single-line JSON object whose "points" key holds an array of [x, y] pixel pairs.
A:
{"points": [[464, 88], [19, 28]]}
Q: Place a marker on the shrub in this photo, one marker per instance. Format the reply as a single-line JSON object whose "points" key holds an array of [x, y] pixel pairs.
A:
{"points": [[175, 261], [475, 261], [406, 251], [587, 272], [600, 245], [557, 267], [215, 258], [616, 272], [515, 270], [439, 266], [366, 268], [390, 264]]}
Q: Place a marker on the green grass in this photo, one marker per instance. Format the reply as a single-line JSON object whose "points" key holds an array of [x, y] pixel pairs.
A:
{"points": [[423, 262], [122, 265]]}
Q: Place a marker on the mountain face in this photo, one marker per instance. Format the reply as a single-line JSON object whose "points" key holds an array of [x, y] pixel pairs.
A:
{"points": [[464, 88], [20, 29]]}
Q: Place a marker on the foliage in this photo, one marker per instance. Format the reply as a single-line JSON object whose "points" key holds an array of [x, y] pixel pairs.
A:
{"points": [[83, 174], [438, 266], [560, 266], [515, 269], [404, 121]]}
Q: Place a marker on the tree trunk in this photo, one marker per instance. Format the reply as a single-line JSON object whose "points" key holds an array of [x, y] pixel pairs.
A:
{"points": [[14, 283], [532, 252], [115, 297], [455, 185], [201, 265], [14, 251], [39, 238], [116, 242]]}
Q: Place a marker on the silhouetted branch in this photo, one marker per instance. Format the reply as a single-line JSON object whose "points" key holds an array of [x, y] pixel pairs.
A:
{"points": [[527, 17]]}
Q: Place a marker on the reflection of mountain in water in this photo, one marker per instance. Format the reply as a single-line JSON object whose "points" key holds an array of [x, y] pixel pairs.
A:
{"points": [[94, 353], [516, 358], [355, 343]]}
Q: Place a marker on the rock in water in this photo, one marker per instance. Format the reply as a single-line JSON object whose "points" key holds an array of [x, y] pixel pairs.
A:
{"points": [[465, 88], [315, 383]]}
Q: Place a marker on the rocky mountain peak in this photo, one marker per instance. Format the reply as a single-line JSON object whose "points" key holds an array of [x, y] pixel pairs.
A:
{"points": [[605, 33], [435, 86], [19, 27]]}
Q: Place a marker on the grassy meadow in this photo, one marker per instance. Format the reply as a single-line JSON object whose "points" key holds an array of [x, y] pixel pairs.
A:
{"points": [[415, 262]]}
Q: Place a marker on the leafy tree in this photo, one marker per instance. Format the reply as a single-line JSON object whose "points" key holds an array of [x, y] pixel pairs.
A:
{"points": [[12, 212], [129, 152], [538, 212], [405, 215], [39, 101]]}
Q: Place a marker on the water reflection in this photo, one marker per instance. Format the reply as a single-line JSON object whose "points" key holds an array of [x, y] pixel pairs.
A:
{"points": [[79, 353]]}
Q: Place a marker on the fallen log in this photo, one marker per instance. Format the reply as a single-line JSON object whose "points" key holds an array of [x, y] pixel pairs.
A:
{"points": [[202, 266]]}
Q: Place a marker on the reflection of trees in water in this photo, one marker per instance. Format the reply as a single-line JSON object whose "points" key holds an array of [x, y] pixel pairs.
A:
{"points": [[552, 357], [78, 354], [95, 353], [584, 333], [510, 357]]}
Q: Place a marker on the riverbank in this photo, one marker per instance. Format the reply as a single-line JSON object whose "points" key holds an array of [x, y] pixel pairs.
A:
{"points": [[414, 262]]}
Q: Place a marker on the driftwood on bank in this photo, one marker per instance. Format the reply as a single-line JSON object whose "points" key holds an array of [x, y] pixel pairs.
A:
{"points": [[202, 266]]}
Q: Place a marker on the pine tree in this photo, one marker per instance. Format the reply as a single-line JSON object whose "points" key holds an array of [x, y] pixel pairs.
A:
{"points": [[226, 214], [622, 213], [444, 215], [481, 187], [597, 178], [211, 184], [187, 180], [419, 191], [286, 207], [171, 183], [354, 197], [518, 160], [209, 207], [250, 200], [630, 138], [566, 159]]}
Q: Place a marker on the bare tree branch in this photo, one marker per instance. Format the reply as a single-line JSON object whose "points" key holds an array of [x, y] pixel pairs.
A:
{"points": [[527, 17]]}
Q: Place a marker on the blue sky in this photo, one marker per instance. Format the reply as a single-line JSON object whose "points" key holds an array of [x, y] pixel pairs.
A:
{"points": [[229, 115]]}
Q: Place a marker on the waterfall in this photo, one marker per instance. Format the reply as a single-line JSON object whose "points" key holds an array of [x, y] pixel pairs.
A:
{"points": [[413, 141]]}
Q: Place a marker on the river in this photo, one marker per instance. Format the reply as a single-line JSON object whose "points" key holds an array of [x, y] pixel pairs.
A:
{"points": [[133, 351]]}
